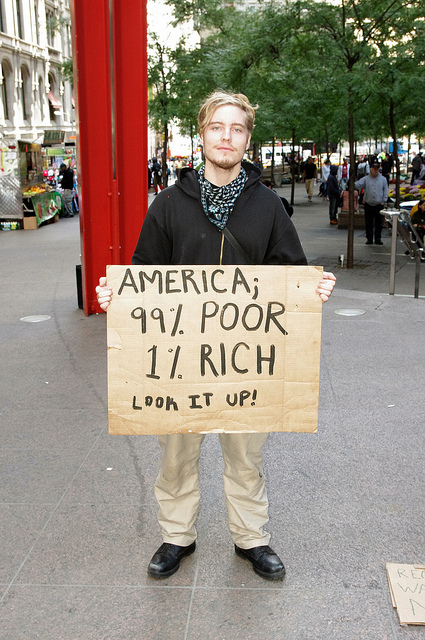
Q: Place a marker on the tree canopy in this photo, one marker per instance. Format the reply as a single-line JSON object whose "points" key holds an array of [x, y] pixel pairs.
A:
{"points": [[351, 70]]}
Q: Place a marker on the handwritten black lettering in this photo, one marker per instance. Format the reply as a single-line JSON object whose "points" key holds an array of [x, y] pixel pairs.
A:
{"points": [[169, 280], [155, 275], [194, 404], [213, 285], [239, 279], [271, 316], [206, 351], [158, 402], [259, 320], [235, 349], [205, 315], [233, 307], [187, 276], [271, 359], [127, 276]]}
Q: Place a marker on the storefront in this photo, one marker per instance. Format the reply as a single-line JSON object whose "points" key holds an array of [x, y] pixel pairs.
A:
{"points": [[25, 201]]}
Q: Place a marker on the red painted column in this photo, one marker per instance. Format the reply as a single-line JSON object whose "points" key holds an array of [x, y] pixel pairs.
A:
{"points": [[110, 86]]}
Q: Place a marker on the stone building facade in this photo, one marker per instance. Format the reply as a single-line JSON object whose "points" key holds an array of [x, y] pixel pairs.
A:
{"points": [[35, 41]]}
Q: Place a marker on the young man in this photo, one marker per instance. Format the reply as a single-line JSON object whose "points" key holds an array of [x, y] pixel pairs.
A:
{"points": [[184, 226], [375, 197], [309, 176]]}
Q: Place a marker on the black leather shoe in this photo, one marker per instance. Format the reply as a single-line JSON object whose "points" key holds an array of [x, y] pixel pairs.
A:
{"points": [[378, 242], [166, 560], [369, 242], [265, 562]]}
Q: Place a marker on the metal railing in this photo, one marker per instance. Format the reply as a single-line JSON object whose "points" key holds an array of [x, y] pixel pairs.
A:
{"points": [[403, 228]]}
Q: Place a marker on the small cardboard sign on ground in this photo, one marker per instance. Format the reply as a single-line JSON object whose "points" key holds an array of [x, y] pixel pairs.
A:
{"points": [[199, 349], [407, 586]]}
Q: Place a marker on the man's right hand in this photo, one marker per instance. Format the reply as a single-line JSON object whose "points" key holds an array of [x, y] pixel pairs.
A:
{"points": [[104, 294]]}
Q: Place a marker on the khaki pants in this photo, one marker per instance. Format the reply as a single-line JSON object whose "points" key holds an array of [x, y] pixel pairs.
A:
{"points": [[309, 187], [177, 487]]}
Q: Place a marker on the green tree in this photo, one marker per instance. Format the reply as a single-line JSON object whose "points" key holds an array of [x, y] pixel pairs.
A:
{"points": [[354, 33], [162, 65]]}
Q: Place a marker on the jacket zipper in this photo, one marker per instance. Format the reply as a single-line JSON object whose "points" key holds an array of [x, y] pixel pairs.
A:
{"points": [[221, 249]]}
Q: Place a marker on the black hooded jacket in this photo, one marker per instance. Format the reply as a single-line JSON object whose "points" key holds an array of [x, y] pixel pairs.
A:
{"points": [[332, 187], [177, 231]]}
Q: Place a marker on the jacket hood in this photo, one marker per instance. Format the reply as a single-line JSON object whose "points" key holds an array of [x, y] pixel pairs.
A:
{"points": [[334, 169], [188, 179]]}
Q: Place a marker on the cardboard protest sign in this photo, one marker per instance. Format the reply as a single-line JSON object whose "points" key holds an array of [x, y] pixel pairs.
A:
{"points": [[407, 586], [200, 349]]}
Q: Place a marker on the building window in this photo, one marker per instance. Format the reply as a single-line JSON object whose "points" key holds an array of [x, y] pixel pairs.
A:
{"points": [[5, 92], [50, 27], [37, 23], [52, 98], [2, 23], [25, 94], [69, 40], [19, 28], [41, 98], [24, 111]]}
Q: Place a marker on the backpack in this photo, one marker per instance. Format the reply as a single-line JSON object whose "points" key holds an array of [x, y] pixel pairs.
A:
{"points": [[361, 170]]}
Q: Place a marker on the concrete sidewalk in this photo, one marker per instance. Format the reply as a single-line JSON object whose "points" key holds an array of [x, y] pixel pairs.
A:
{"points": [[78, 518]]}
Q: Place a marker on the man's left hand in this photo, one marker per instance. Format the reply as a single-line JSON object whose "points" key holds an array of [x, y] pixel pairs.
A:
{"points": [[326, 286]]}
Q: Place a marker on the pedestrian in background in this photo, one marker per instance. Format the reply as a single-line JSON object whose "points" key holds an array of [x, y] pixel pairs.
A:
{"points": [[334, 193], [416, 167], [387, 165], [67, 184], [149, 177], [157, 175], [363, 169], [326, 169], [309, 176], [344, 174], [375, 197], [417, 216]]}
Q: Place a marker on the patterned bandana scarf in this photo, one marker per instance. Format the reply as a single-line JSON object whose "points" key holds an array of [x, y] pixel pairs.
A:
{"points": [[218, 202]]}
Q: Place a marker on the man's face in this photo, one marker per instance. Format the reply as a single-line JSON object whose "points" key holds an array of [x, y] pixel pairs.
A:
{"points": [[226, 138], [374, 171]]}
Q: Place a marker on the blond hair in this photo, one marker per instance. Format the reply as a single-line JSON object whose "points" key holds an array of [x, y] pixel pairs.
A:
{"points": [[220, 99]]}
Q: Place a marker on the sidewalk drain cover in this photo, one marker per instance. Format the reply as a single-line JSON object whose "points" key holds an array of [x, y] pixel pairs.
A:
{"points": [[35, 318], [350, 312]]}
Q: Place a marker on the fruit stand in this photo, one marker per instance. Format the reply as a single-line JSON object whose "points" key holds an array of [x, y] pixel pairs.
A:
{"points": [[39, 205], [24, 199]]}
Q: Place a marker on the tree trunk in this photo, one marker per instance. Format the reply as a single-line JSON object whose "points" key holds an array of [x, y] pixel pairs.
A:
{"points": [[350, 234], [395, 154], [191, 144], [408, 153], [164, 156], [292, 166], [272, 165]]}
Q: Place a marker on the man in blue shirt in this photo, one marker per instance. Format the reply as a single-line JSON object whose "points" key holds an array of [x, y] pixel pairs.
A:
{"points": [[375, 197]]}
